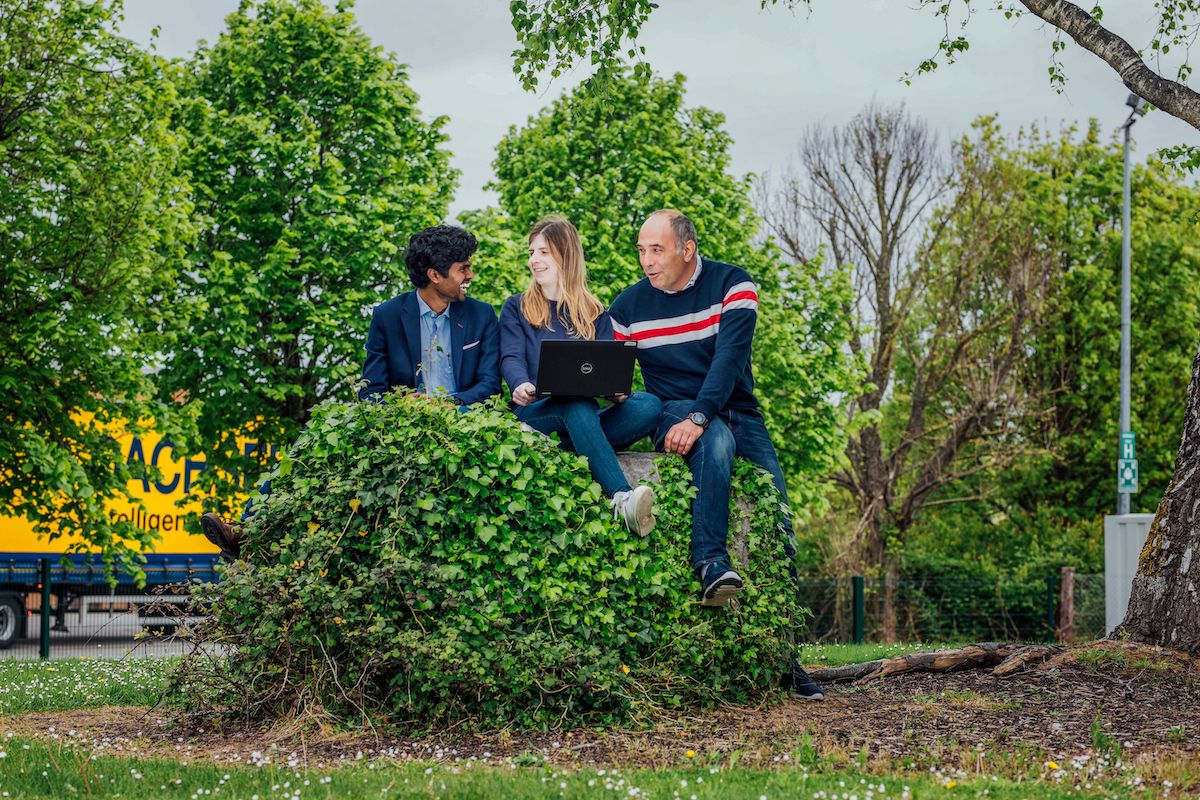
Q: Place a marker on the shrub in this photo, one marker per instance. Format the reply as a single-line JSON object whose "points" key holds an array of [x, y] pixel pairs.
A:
{"points": [[417, 564]]}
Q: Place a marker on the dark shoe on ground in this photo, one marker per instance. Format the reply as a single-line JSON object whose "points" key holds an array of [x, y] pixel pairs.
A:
{"points": [[720, 583], [800, 686], [223, 535]]}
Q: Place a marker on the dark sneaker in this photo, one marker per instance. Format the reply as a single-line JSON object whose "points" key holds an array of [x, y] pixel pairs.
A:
{"points": [[223, 535], [802, 687], [720, 583]]}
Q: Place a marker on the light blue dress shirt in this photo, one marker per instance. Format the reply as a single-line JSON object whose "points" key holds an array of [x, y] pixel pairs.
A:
{"points": [[437, 367]]}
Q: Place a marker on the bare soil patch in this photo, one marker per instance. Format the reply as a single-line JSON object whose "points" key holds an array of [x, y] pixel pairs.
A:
{"points": [[1102, 702]]}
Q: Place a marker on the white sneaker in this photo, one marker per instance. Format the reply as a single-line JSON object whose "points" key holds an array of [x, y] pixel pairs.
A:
{"points": [[531, 429], [635, 509]]}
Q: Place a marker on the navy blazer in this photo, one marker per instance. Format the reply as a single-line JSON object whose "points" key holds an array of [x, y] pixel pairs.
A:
{"points": [[394, 348]]}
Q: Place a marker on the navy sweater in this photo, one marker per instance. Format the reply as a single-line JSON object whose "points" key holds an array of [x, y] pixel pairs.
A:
{"points": [[520, 342], [695, 344]]}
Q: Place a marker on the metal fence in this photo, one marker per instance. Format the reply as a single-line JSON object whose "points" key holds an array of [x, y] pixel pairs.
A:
{"points": [[942, 608], [68, 610], [70, 617]]}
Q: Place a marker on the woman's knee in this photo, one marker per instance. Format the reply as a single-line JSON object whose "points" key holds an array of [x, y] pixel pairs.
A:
{"points": [[580, 412], [645, 405]]}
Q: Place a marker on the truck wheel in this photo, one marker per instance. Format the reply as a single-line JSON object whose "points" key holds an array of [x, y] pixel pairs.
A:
{"points": [[12, 620]]}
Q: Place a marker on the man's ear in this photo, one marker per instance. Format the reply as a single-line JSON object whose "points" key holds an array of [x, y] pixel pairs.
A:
{"points": [[434, 276], [689, 250]]}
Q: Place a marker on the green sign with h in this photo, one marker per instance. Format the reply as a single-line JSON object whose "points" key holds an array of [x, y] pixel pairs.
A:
{"points": [[1127, 465]]}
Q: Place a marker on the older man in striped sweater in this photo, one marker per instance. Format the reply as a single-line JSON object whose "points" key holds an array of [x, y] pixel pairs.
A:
{"points": [[693, 320]]}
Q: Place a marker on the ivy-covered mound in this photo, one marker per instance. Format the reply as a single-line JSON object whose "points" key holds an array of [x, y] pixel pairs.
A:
{"points": [[418, 564]]}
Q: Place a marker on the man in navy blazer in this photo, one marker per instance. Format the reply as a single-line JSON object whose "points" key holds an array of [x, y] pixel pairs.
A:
{"points": [[435, 339]]}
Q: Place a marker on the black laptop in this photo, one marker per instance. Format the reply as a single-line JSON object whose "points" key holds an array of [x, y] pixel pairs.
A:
{"points": [[582, 368]]}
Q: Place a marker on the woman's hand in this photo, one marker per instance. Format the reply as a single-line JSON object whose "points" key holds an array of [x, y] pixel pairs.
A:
{"points": [[523, 395]]}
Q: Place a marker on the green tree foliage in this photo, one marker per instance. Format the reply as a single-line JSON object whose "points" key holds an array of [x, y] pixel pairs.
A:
{"points": [[554, 34], [607, 162], [1047, 513], [93, 225], [951, 284], [418, 565], [1070, 185], [1075, 191], [312, 168]]}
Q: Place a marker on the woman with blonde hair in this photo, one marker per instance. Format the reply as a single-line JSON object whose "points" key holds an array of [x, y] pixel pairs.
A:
{"points": [[558, 305]]}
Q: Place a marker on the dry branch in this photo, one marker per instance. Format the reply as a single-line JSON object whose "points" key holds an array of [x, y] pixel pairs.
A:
{"points": [[1006, 658]]}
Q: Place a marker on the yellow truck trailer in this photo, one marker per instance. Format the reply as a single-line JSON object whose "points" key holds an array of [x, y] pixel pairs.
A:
{"points": [[78, 578]]}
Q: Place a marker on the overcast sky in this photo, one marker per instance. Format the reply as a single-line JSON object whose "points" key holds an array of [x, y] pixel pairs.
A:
{"points": [[772, 73]]}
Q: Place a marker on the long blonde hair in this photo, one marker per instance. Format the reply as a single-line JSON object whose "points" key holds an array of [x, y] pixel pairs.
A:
{"points": [[578, 308]]}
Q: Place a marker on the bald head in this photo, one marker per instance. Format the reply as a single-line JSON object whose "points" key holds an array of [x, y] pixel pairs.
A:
{"points": [[681, 227]]}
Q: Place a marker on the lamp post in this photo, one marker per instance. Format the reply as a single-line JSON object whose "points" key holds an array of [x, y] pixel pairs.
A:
{"points": [[1126, 449]]}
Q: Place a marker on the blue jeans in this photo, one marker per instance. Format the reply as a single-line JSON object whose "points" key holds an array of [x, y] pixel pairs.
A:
{"points": [[596, 434], [730, 434], [263, 491]]}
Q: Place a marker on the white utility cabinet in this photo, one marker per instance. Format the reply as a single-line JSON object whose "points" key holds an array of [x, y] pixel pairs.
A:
{"points": [[1124, 535]]}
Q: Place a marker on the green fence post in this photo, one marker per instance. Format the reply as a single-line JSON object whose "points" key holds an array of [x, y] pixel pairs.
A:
{"points": [[1051, 598], [45, 637], [857, 582]]}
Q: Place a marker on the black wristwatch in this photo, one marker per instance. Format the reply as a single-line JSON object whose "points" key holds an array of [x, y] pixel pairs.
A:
{"points": [[697, 418]]}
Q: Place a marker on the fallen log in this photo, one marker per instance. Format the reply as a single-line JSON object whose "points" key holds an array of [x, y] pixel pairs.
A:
{"points": [[1005, 658], [1029, 654]]}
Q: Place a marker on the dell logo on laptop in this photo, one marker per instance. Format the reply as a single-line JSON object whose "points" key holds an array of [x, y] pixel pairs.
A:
{"points": [[585, 368]]}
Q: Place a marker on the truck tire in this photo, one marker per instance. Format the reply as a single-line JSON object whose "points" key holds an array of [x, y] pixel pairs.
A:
{"points": [[12, 620]]}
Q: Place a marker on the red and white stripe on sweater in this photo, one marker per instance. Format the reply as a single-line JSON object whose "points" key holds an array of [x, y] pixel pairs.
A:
{"points": [[688, 327]]}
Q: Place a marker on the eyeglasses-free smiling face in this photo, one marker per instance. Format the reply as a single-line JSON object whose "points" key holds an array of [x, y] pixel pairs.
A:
{"points": [[544, 266], [454, 285], [667, 266]]}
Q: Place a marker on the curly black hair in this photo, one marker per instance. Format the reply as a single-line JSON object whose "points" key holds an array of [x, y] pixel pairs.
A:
{"points": [[437, 247]]}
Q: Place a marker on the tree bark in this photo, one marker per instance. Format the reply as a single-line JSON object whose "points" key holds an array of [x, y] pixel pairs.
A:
{"points": [[1172, 97], [1164, 608]]}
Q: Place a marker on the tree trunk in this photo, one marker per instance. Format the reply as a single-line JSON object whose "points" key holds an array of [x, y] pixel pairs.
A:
{"points": [[875, 555], [1163, 606]]}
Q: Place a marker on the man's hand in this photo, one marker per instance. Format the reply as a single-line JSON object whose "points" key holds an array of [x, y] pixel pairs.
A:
{"points": [[523, 395], [682, 436], [619, 398]]}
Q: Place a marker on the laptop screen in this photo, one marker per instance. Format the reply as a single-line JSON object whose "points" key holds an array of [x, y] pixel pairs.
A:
{"points": [[581, 368]]}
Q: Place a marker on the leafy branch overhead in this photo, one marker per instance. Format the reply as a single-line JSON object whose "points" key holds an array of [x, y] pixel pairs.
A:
{"points": [[555, 35]]}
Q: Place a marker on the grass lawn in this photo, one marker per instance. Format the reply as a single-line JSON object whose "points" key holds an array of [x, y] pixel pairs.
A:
{"points": [[81, 683], [58, 764], [63, 684], [35, 770]]}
